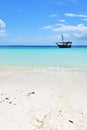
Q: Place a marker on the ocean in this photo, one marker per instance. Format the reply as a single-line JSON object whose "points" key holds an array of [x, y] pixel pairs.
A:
{"points": [[44, 56]]}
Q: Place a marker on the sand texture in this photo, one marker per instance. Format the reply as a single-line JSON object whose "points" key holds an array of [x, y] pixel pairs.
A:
{"points": [[43, 100]]}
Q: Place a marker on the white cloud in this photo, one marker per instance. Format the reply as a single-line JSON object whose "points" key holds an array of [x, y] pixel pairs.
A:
{"points": [[46, 27], [2, 24], [77, 31], [62, 20], [53, 15], [70, 14], [76, 15], [3, 32], [64, 27], [2, 28]]}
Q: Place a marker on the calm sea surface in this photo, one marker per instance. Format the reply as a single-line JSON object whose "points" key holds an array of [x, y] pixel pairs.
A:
{"points": [[21, 56]]}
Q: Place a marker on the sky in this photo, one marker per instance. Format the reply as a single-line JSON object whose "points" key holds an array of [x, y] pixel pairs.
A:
{"points": [[42, 22]]}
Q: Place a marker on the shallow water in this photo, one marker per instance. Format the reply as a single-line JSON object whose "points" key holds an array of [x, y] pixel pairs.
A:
{"points": [[21, 56]]}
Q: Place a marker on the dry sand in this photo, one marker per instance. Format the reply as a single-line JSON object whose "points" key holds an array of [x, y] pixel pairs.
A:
{"points": [[43, 100]]}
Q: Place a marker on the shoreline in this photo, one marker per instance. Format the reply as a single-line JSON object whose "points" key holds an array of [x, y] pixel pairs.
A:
{"points": [[43, 68], [43, 99]]}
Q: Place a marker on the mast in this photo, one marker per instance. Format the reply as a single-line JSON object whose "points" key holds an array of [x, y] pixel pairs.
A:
{"points": [[62, 39]]}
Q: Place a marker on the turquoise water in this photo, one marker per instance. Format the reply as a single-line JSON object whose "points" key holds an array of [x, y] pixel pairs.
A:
{"points": [[75, 57]]}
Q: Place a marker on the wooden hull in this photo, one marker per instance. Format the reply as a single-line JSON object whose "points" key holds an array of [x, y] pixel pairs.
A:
{"points": [[64, 46]]}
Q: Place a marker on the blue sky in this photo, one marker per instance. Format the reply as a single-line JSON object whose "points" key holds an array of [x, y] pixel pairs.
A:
{"points": [[41, 22]]}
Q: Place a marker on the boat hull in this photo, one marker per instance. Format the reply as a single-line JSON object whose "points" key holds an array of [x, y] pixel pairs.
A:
{"points": [[64, 46]]}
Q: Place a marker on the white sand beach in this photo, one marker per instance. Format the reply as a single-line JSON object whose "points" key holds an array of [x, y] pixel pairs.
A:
{"points": [[43, 100]]}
